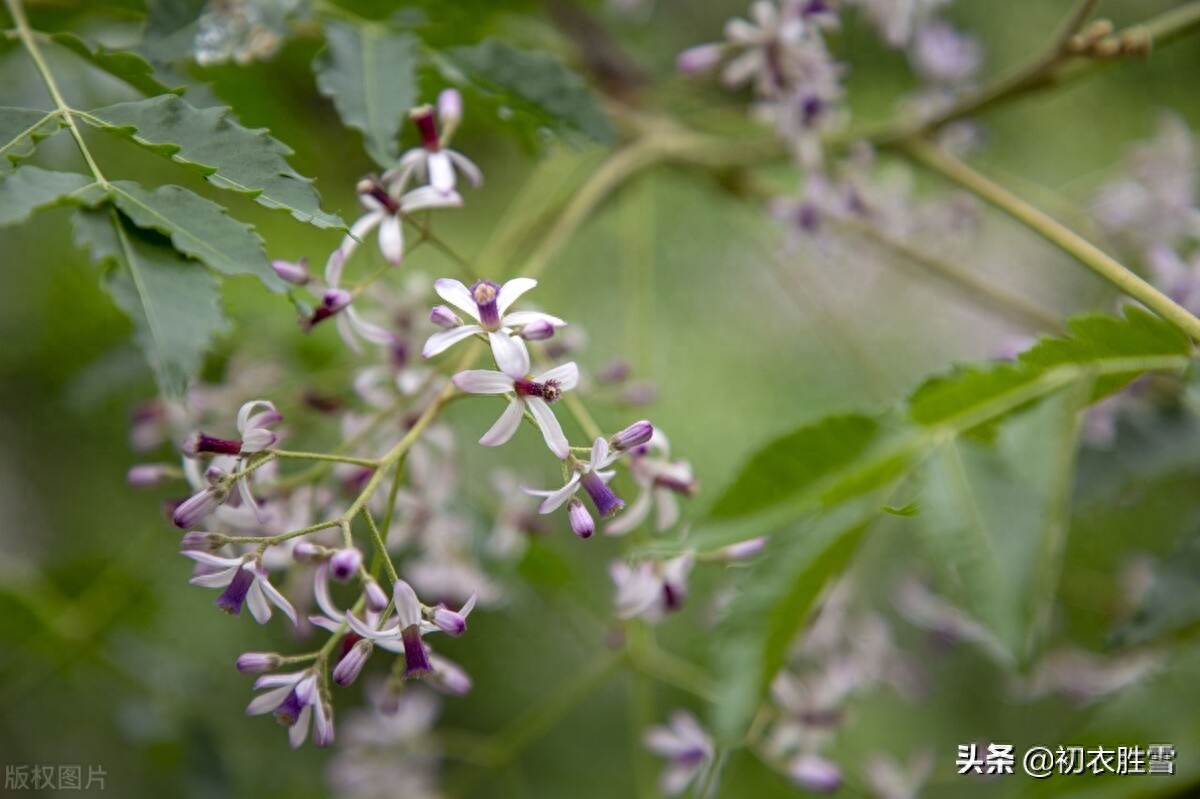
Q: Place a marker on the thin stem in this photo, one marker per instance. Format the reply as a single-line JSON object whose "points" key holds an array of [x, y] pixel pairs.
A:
{"points": [[381, 547], [369, 463], [1056, 233], [29, 40]]}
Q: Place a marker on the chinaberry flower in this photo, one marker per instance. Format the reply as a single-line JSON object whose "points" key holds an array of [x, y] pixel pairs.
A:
{"points": [[295, 699], [337, 302], [651, 589], [661, 481], [487, 304], [688, 750], [945, 56], [532, 393], [254, 420], [386, 210], [433, 160], [592, 477], [245, 583], [294, 272], [403, 634]]}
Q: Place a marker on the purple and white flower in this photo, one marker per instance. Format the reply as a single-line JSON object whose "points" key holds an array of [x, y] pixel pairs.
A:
{"points": [[337, 302], [687, 748], [403, 635], [433, 161], [245, 583], [487, 304], [661, 481], [651, 589], [294, 699], [386, 210], [528, 393], [592, 476], [253, 426]]}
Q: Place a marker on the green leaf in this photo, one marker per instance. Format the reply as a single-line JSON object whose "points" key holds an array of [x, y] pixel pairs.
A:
{"points": [[773, 603], [199, 228], [369, 73], [1171, 606], [793, 462], [1100, 340], [171, 28], [995, 517], [20, 130], [247, 161], [29, 188], [533, 88], [175, 305], [127, 66]]}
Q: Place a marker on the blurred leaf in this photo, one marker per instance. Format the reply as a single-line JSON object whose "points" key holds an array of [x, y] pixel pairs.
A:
{"points": [[129, 67], [793, 462], [1172, 603], [1137, 339], [369, 73], [772, 605], [230, 156], [199, 228], [175, 304], [171, 29], [20, 130], [996, 515], [29, 189], [531, 88]]}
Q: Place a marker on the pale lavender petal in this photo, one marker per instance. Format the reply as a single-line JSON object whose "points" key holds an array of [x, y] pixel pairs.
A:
{"points": [[265, 703], [566, 375], [408, 607], [257, 603], [482, 381], [458, 295], [429, 197], [510, 353], [552, 431], [442, 340], [522, 318], [391, 240], [555, 499], [278, 599], [511, 290], [505, 426], [441, 172], [468, 167]]}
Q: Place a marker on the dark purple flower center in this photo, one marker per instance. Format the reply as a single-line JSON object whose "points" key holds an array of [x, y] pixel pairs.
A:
{"points": [[234, 595], [549, 391], [672, 597], [607, 503], [424, 120], [691, 757], [289, 709], [374, 189], [485, 294], [222, 446], [416, 659]]}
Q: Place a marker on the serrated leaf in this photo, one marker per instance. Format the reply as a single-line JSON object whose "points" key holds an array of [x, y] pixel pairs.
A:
{"points": [[1137, 338], [532, 85], [793, 462], [1172, 603], [995, 517], [230, 156], [29, 189], [199, 228], [20, 130], [175, 304], [774, 601], [369, 73], [127, 66]]}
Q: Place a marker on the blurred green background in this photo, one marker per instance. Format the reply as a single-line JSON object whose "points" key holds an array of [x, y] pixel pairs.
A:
{"points": [[108, 657]]}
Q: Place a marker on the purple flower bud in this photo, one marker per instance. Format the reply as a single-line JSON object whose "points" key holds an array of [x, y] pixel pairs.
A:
{"points": [[258, 439], [294, 273], [815, 773], [444, 318], [448, 621], [377, 598], [234, 595], [449, 677], [450, 109], [700, 58], [537, 330], [485, 294], [258, 662], [582, 523], [635, 435], [744, 550], [616, 371], [345, 563], [350, 666], [308, 552], [199, 541], [606, 501], [196, 508], [145, 475]]}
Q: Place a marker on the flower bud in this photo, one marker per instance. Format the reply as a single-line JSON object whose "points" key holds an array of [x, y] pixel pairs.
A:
{"points": [[700, 58], [450, 110], [537, 330], [145, 475], [635, 435], [197, 507], [294, 273], [743, 550], [815, 773], [200, 541], [345, 563], [308, 552], [377, 598], [582, 523], [350, 666], [258, 662], [444, 318], [448, 621]]}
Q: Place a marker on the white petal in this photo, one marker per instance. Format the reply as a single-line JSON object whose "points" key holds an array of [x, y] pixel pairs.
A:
{"points": [[567, 376], [369, 331], [458, 295], [511, 290], [631, 517], [299, 731], [505, 426], [217, 580], [265, 703], [510, 353], [468, 167], [441, 172], [366, 631], [257, 603], [522, 318], [442, 340], [358, 231], [210, 559], [346, 331], [668, 509], [408, 607], [278, 599], [247, 409], [325, 623], [551, 429], [482, 381], [468, 606], [391, 240], [243, 487], [557, 498], [429, 197], [599, 453]]}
